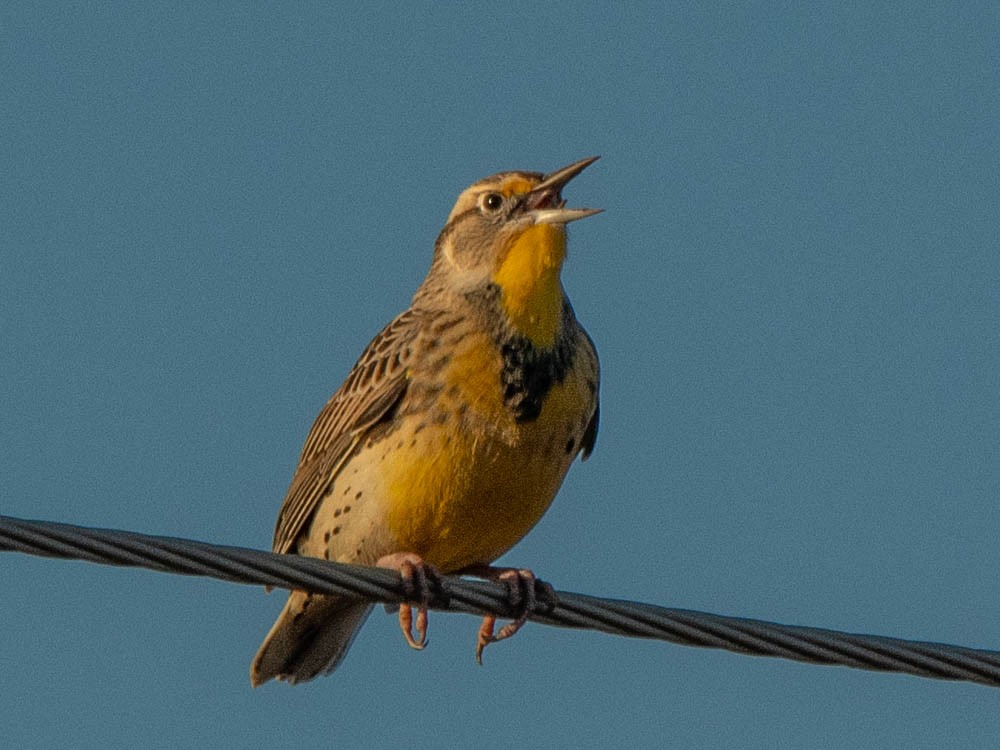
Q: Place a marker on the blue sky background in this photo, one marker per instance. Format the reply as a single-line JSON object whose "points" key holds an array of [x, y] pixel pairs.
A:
{"points": [[208, 211]]}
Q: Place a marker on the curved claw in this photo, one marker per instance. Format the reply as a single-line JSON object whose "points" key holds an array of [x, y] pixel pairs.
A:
{"points": [[406, 625], [527, 595], [418, 580], [484, 637]]}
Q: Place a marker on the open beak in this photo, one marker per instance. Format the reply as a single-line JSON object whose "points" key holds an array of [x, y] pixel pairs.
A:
{"points": [[545, 204]]}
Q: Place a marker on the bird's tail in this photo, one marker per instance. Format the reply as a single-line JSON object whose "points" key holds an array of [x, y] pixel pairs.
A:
{"points": [[309, 638]]}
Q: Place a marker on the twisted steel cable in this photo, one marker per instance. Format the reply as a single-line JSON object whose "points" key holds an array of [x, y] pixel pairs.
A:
{"points": [[635, 619]]}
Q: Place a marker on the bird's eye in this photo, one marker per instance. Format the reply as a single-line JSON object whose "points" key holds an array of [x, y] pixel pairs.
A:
{"points": [[493, 201]]}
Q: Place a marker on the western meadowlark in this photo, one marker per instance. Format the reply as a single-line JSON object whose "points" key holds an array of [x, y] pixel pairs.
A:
{"points": [[454, 430]]}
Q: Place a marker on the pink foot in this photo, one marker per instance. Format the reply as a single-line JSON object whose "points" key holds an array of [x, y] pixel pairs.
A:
{"points": [[419, 579], [527, 594]]}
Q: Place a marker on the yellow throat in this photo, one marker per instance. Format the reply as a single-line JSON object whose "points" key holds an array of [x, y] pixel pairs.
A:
{"points": [[528, 276]]}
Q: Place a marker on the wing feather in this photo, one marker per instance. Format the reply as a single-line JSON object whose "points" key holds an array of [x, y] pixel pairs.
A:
{"points": [[372, 389], [590, 434]]}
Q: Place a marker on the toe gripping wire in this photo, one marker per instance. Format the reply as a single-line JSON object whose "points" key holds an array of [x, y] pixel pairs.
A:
{"points": [[618, 617]]}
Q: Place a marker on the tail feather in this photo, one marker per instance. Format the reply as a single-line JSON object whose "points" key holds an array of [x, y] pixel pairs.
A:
{"points": [[309, 638]]}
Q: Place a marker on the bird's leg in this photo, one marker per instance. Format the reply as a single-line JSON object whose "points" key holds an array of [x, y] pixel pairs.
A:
{"points": [[419, 581], [527, 594]]}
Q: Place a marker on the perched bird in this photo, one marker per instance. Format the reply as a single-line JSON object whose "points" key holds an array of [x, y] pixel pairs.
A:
{"points": [[454, 430]]}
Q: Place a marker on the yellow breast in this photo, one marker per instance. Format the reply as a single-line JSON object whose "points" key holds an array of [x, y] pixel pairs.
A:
{"points": [[472, 481]]}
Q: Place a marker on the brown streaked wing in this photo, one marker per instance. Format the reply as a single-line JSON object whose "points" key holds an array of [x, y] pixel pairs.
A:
{"points": [[375, 384]]}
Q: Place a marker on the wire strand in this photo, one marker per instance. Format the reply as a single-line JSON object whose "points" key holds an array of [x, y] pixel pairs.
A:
{"points": [[618, 617]]}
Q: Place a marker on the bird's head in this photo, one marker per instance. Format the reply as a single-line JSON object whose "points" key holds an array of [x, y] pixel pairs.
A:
{"points": [[509, 230]]}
